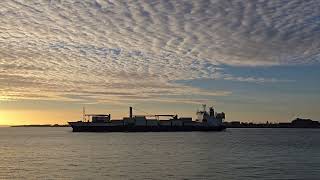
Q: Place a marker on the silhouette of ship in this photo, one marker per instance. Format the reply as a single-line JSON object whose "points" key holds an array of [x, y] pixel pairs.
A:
{"points": [[206, 121]]}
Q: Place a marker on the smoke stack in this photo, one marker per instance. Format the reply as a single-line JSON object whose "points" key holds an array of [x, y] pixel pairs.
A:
{"points": [[130, 113]]}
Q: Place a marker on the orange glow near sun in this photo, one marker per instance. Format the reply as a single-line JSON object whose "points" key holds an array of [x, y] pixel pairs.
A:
{"points": [[22, 117]]}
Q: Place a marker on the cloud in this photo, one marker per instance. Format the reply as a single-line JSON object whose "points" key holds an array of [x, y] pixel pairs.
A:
{"points": [[122, 49], [255, 79]]}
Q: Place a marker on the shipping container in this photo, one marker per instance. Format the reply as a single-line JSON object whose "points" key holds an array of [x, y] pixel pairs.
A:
{"points": [[176, 122], [165, 123], [152, 122]]}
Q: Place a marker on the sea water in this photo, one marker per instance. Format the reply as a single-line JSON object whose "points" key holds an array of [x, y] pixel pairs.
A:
{"points": [[58, 153]]}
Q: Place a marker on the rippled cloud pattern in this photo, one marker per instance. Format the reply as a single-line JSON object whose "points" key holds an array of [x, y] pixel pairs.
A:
{"points": [[111, 50]]}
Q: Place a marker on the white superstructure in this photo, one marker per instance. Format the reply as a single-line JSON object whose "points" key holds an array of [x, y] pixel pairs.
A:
{"points": [[211, 118]]}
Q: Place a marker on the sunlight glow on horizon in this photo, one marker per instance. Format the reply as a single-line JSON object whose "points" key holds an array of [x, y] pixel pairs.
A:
{"points": [[25, 117]]}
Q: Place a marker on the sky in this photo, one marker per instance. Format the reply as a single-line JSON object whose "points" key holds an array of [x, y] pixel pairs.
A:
{"points": [[255, 60]]}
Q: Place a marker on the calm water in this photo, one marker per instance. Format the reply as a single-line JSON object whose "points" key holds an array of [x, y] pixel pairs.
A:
{"points": [[57, 153]]}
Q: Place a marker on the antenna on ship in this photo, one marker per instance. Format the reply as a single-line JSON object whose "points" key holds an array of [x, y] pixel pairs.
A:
{"points": [[204, 107]]}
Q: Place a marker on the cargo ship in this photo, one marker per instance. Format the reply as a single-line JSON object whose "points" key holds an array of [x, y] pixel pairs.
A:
{"points": [[206, 121]]}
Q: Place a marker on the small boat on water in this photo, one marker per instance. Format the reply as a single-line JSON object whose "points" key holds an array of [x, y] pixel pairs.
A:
{"points": [[206, 121]]}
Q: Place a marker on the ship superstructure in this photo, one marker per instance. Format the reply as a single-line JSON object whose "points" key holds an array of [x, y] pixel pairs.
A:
{"points": [[211, 118], [206, 121]]}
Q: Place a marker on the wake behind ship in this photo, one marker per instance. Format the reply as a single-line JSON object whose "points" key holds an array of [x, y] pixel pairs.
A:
{"points": [[206, 121]]}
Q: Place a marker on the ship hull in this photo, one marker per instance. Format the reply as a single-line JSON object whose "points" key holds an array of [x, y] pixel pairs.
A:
{"points": [[126, 128]]}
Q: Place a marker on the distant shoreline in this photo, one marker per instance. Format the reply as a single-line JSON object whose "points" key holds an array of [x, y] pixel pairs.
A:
{"points": [[296, 123], [42, 125], [275, 127]]}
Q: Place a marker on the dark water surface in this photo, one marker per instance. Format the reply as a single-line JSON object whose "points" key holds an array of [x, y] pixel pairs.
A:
{"points": [[57, 153]]}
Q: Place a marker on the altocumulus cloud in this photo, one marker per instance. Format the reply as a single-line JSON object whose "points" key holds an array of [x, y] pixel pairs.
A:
{"points": [[104, 51]]}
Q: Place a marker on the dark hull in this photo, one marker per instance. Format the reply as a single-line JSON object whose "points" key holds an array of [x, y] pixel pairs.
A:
{"points": [[144, 128]]}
